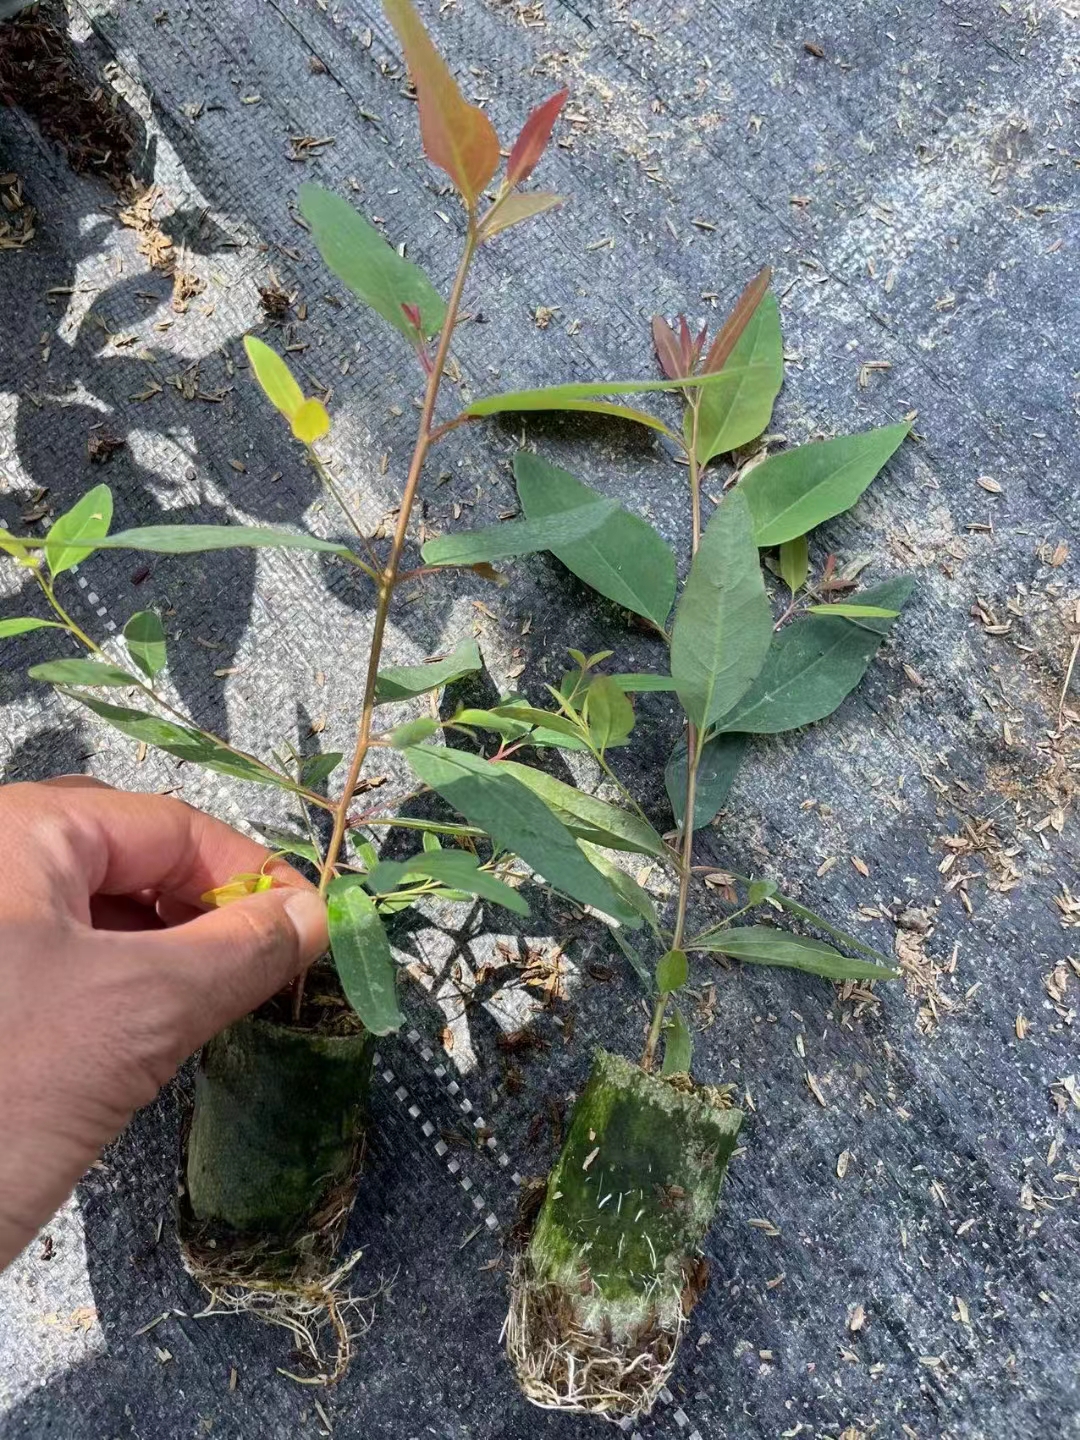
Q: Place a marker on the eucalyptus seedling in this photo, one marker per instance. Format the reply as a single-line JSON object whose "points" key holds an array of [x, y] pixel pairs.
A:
{"points": [[601, 1292]]}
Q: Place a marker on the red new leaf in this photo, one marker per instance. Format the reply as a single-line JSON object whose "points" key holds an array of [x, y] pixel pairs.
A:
{"points": [[728, 336], [667, 348], [532, 142], [457, 136]]}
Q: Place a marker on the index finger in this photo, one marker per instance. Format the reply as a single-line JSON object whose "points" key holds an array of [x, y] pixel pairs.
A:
{"points": [[111, 842]]}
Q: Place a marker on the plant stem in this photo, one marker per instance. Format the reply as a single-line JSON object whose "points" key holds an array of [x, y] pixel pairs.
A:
{"points": [[389, 576], [693, 759]]}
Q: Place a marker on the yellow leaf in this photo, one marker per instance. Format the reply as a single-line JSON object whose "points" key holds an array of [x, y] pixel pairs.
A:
{"points": [[310, 422], [457, 136], [522, 205], [238, 888]]}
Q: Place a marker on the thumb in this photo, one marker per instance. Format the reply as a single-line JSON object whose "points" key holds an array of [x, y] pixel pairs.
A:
{"points": [[231, 960]]}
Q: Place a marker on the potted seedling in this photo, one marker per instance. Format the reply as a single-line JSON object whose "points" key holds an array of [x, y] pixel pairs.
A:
{"points": [[611, 1268]]}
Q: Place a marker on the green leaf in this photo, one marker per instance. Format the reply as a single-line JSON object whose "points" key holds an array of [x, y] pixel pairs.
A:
{"points": [[623, 559], [373, 270], [723, 625], [759, 890], [25, 623], [317, 768], [790, 493], [761, 945], [517, 537], [517, 820], [608, 714], [587, 817], [77, 534], [12, 545], [793, 907], [178, 740], [733, 415], [276, 380], [547, 723], [410, 822], [195, 539], [80, 672], [854, 612], [362, 955], [795, 563], [285, 842], [643, 682], [454, 868], [634, 894], [412, 732], [145, 640], [812, 666], [583, 395], [678, 1046], [672, 971], [717, 768], [637, 964], [403, 682]]}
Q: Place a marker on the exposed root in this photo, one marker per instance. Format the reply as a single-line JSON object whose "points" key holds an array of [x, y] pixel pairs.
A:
{"points": [[306, 1310], [561, 1366]]}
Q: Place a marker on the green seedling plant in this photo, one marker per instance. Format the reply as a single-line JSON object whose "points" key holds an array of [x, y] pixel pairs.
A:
{"points": [[600, 1296]]}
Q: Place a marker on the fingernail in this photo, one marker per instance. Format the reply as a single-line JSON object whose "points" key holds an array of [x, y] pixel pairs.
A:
{"points": [[307, 911]]}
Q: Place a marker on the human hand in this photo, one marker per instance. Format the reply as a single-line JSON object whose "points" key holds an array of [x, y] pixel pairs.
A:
{"points": [[109, 974]]}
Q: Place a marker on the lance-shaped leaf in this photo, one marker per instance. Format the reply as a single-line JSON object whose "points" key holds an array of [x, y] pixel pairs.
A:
{"points": [[672, 971], [25, 623], [589, 395], [795, 563], [195, 539], [516, 208], [185, 744], [517, 820], [546, 721], [511, 721], [853, 612], [743, 311], [533, 140], [402, 682], [454, 868], [790, 493], [667, 348], [587, 817], [813, 665], [518, 537], [733, 415], [362, 955], [458, 137], [717, 768], [793, 907], [308, 418], [723, 625], [78, 533], [761, 945], [623, 559], [80, 672], [635, 895], [318, 768], [372, 269], [285, 842], [637, 964], [678, 1045], [608, 714], [642, 682], [145, 640], [12, 545]]}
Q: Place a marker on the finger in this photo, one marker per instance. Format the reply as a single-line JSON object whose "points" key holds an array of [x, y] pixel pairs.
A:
{"points": [[177, 912], [118, 912], [96, 840], [229, 961]]}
